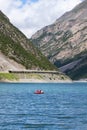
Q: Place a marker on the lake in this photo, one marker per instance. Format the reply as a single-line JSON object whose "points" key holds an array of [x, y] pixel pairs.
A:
{"points": [[63, 106]]}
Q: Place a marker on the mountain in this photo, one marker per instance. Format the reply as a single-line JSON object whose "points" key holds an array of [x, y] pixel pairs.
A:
{"points": [[17, 52], [64, 42]]}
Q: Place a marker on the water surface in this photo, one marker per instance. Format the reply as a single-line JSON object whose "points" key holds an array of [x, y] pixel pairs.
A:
{"points": [[63, 106]]}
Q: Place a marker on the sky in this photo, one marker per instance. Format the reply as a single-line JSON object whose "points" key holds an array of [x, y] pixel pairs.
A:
{"points": [[32, 15]]}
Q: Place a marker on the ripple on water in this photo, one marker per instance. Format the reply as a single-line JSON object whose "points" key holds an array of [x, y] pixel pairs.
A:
{"points": [[62, 107]]}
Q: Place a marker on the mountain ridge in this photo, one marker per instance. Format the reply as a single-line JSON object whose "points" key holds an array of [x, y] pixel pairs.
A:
{"points": [[65, 40]]}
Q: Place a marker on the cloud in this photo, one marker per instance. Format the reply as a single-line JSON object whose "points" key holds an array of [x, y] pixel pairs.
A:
{"points": [[31, 15]]}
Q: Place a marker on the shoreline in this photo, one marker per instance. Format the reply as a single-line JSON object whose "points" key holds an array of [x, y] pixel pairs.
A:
{"points": [[34, 78], [41, 82], [35, 81], [80, 81]]}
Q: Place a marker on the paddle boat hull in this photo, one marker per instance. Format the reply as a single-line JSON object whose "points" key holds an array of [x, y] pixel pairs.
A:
{"points": [[39, 92]]}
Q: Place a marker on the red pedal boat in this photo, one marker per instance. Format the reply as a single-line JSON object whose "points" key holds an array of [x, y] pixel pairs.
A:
{"points": [[39, 92]]}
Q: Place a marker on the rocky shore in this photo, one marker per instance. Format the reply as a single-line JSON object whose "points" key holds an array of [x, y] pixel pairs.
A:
{"points": [[34, 78]]}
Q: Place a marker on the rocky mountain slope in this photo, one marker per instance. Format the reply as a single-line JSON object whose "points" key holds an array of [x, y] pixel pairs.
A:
{"points": [[16, 51], [65, 42]]}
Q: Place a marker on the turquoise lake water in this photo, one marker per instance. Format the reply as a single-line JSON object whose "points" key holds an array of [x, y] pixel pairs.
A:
{"points": [[63, 106]]}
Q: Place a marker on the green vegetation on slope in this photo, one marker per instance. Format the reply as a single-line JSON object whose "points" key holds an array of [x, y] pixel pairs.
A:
{"points": [[16, 46], [7, 76], [19, 54]]}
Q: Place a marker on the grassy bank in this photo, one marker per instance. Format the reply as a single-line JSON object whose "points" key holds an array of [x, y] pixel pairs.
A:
{"points": [[32, 77], [8, 76]]}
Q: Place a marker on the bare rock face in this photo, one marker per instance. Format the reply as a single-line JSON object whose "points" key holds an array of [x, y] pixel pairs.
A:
{"points": [[9, 64], [65, 41]]}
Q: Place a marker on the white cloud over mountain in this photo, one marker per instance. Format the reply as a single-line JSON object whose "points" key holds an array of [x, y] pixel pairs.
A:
{"points": [[32, 16]]}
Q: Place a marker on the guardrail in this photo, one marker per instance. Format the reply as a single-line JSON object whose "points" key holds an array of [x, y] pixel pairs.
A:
{"points": [[34, 71]]}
